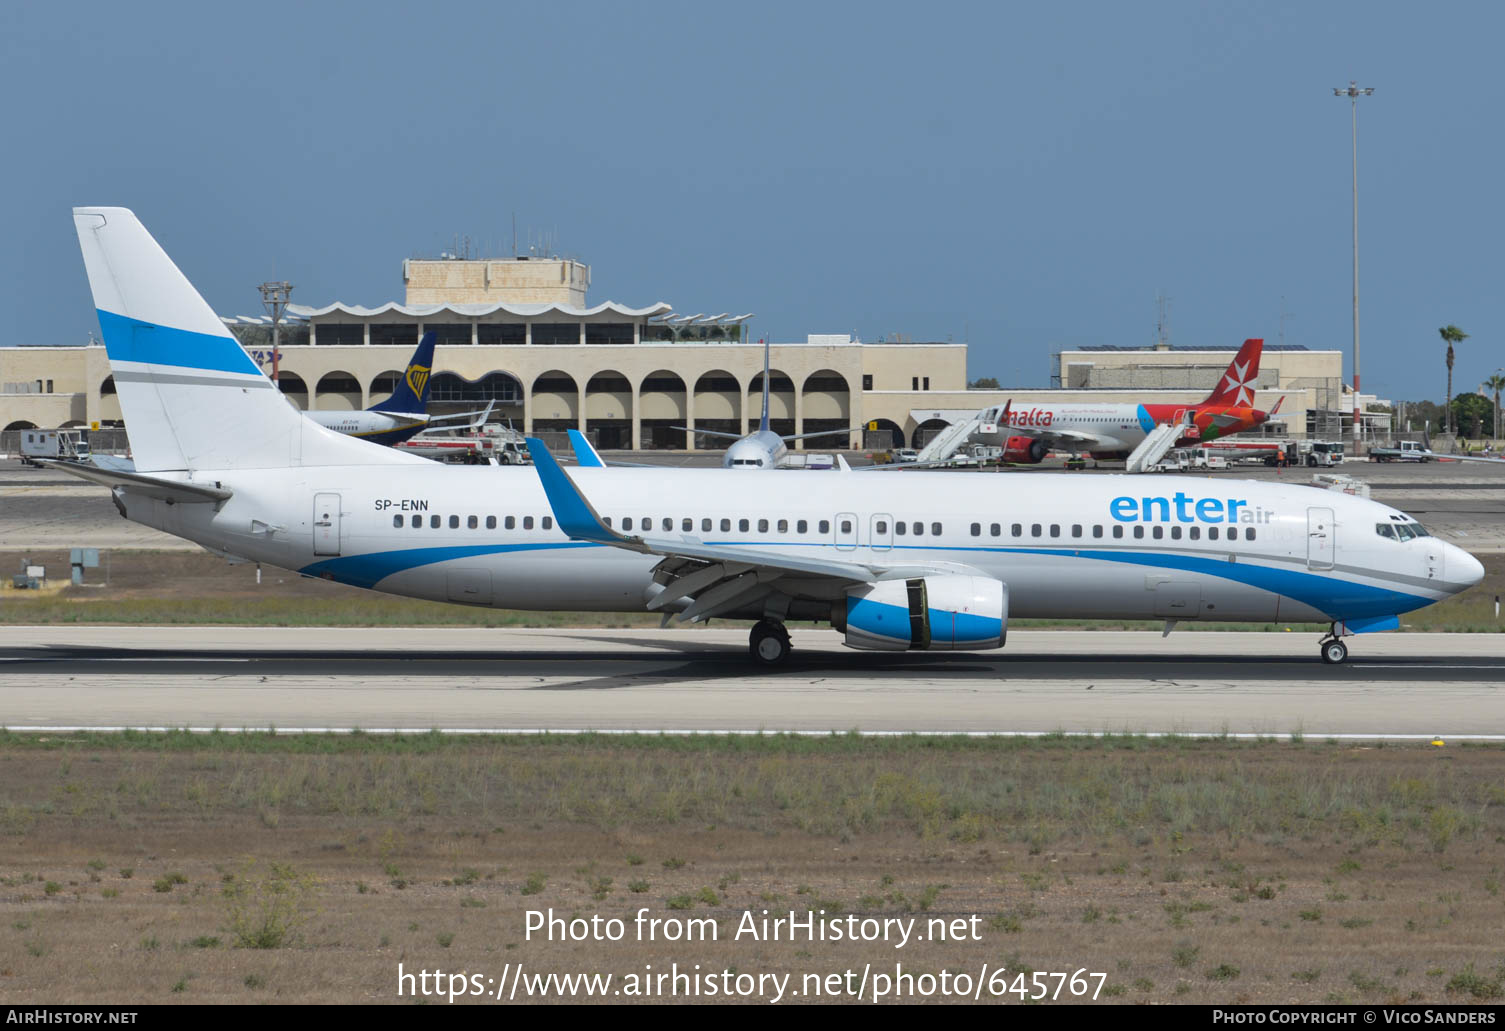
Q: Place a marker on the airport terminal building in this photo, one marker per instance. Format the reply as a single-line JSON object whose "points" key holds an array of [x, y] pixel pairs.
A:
{"points": [[519, 332]]}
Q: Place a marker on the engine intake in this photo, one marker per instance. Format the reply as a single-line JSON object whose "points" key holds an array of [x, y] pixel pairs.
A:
{"points": [[933, 612], [1029, 450]]}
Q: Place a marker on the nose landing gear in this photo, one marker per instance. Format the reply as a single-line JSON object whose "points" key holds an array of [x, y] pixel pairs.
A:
{"points": [[769, 643], [1332, 648]]}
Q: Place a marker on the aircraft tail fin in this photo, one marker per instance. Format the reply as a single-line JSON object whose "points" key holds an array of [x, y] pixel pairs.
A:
{"points": [[1236, 387], [411, 395], [191, 396], [763, 422]]}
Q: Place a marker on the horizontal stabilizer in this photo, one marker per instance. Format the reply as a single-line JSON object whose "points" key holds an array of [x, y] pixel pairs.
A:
{"points": [[147, 486]]}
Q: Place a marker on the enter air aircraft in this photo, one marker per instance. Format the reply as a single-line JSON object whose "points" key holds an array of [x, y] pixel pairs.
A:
{"points": [[927, 560]]}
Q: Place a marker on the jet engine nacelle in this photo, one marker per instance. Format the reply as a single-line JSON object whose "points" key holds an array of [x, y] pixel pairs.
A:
{"points": [[1025, 449], [941, 612]]}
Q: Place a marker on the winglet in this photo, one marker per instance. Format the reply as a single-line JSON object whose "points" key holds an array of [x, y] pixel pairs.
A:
{"points": [[574, 514], [584, 453], [1278, 403]]}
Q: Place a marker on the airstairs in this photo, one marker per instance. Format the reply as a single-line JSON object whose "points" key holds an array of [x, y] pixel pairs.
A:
{"points": [[950, 440], [1154, 446]]}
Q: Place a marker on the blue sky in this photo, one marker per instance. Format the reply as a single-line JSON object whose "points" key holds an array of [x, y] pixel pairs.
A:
{"points": [[1024, 177]]}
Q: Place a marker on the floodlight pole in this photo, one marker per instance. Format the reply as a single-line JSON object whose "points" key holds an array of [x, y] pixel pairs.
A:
{"points": [[274, 296], [1354, 91]]}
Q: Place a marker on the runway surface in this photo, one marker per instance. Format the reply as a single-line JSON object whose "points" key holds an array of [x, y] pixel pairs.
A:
{"points": [[1451, 685]]}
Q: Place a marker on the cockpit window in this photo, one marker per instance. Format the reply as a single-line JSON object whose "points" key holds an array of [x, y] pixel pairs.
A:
{"points": [[1404, 531], [1385, 530], [1419, 530]]}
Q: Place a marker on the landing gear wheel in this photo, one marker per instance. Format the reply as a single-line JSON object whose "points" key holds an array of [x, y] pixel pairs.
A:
{"points": [[1334, 652], [769, 643]]}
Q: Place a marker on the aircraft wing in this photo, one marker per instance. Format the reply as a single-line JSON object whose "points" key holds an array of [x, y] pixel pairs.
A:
{"points": [[176, 491], [719, 578], [817, 433], [710, 433], [1064, 438]]}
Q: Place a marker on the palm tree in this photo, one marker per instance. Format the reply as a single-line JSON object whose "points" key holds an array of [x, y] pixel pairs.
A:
{"points": [[1451, 335], [1497, 384]]}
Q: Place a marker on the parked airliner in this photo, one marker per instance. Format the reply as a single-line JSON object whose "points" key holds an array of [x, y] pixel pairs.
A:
{"points": [[762, 448], [403, 415], [928, 560], [1029, 433]]}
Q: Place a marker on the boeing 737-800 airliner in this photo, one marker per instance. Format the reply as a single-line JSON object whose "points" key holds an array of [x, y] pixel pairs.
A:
{"points": [[927, 560]]}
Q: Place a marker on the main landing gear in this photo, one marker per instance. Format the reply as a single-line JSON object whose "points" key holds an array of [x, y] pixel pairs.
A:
{"points": [[1333, 650], [769, 643]]}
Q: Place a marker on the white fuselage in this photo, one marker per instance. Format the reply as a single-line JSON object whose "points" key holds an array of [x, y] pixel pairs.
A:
{"points": [[1117, 427], [1106, 547]]}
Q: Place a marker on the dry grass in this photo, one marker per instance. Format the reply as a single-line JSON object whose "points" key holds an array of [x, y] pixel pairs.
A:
{"points": [[1186, 871]]}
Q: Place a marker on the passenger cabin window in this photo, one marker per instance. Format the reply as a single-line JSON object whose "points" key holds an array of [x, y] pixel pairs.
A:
{"points": [[801, 527], [527, 522], [919, 529], [1139, 533], [1118, 532], [397, 520], [1212, 533], [762, 525], [417, 522], [433, 522], [881, 527], [783, 526], [1018, 529], [1248, 533], [454, 522], [742, 525], [1175, 533], [1195, 533], [935, 529], [846, 526], [491, 522], [510, 523], [1158, 532], [726, 526], [901, 528], [1097, 531], [667, 524], [996, 530], [1035, 529], [1055, 529], [548, 522], [473, 523], [705, 526], [1233, 533], [1076, 529], [687, 525], [825, 526], [976, 529]]}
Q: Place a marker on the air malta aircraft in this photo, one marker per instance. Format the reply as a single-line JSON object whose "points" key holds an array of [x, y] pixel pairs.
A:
{"points": [[927, 560], [401, 416], [1028, 434]]}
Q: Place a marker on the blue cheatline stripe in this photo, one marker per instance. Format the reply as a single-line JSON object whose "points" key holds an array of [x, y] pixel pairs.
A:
{"points": [[1338, 599], [131, 340], [1372, 624], [370, 569]]}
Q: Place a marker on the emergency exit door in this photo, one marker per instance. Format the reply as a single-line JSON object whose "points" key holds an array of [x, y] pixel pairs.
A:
{"points": [[326, 524]]}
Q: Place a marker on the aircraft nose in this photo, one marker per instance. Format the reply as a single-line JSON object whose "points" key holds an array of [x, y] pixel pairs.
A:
{"points": [[1463, 569]]}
